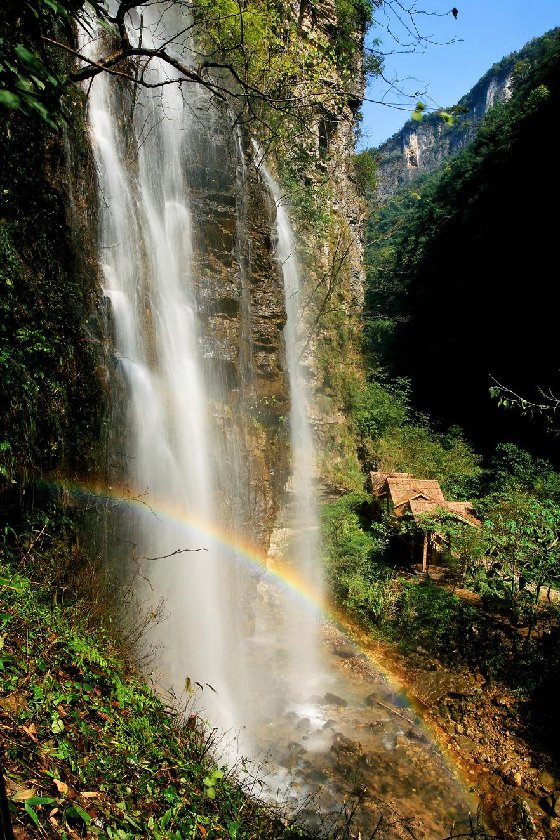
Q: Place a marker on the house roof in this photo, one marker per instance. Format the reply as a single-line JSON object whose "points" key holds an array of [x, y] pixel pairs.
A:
{"points": [[402, 487], [419, 496], [461, 510]]}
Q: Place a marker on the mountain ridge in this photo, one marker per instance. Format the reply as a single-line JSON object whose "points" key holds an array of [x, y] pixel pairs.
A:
{"points": [[422, 146]]}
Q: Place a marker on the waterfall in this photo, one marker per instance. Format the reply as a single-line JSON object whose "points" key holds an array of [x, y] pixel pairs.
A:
{"points": [[306, 549], [211, 456], [178, 448]]}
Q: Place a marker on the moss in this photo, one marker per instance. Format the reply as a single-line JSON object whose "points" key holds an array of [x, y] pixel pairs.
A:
{"points": [[87, 748], [50, 401]]}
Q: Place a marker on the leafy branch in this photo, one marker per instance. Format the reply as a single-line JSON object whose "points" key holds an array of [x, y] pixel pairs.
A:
{"points": [[507, 398]]}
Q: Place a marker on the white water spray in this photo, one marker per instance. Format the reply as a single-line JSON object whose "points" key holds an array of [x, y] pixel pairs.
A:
{"points": [[306, 549], [170, 451]]}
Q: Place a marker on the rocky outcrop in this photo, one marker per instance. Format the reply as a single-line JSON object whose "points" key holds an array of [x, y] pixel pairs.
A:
{"points": [[421, 147], [241, 312]]}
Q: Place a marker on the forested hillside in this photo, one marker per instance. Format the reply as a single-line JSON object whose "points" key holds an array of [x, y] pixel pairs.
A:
{"points": [[461, 268], [196, 436]]}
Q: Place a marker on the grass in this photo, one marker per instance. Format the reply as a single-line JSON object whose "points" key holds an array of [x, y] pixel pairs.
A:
{"points": [[89, 751]]}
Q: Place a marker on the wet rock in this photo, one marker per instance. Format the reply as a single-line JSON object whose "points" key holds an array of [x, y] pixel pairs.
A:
{"points": [[419, 737], [547, 780], [303, 723], [342, 745], [553, 825], [515, 819], [334, 700], [317, 777], [344, 651], [329, 724], [433, 686], [294, 747], [464, 743], [370, 701]]}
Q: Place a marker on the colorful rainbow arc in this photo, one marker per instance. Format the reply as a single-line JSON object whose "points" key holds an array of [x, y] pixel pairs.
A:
{"points": [[277, 571]]}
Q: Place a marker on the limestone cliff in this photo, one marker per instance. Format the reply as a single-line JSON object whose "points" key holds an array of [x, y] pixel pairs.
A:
{"points": [[421, 147]]}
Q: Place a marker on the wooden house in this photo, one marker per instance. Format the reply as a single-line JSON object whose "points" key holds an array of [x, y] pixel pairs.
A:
{"points": [[396, 494]]}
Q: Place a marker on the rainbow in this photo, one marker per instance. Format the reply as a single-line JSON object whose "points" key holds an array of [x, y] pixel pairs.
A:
{"points": [[277, 571]]}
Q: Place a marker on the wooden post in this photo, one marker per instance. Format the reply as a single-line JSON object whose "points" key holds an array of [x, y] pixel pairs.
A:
{"points": [[425, 554]]}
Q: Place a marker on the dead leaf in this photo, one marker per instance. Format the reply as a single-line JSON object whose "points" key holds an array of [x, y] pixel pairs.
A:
{"points": [[61, 710], [90, 794], [31, 730], [23, 794], [202, 829], [62, 787], [12, 703]]}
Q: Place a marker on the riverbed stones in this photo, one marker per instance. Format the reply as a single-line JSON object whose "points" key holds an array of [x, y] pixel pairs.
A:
{"points": [[433, 686], [344, 651], [334, 700], [343, 746], [551, 804]]}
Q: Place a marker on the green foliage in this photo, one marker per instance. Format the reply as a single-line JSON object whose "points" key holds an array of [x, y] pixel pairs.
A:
{"points": [[355, 550], [378, 407], [393, 440], [88, 748], [447, 458], [283, 74], [523, 535], [309, 202], [514, 469], [49, 401], [353, 18], [32, 74], [434, 618], [365, 169]]}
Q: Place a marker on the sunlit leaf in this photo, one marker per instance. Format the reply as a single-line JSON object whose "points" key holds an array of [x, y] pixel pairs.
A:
{"points": [[9, 99], [32, 813], [75, 812]]}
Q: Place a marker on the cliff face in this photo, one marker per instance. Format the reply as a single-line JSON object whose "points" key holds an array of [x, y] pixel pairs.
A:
{"points": [[238, 281], [242, 311], [421, 147]]}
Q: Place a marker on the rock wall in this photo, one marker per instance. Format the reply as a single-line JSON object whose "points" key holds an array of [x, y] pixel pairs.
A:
{"points": [[243, 313], [421, 147], [240, 289]]}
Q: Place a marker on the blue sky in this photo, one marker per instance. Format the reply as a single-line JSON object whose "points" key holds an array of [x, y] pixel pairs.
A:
{"points": [[484, 32]]}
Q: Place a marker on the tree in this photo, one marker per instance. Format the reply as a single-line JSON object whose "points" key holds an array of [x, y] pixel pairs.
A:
{"points": [[524, 539], [247, 53], [546, 405]]}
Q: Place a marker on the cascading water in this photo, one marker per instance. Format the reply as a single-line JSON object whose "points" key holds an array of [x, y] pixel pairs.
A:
{"points": [[305, 518], [170, 442], [199, 381]]}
